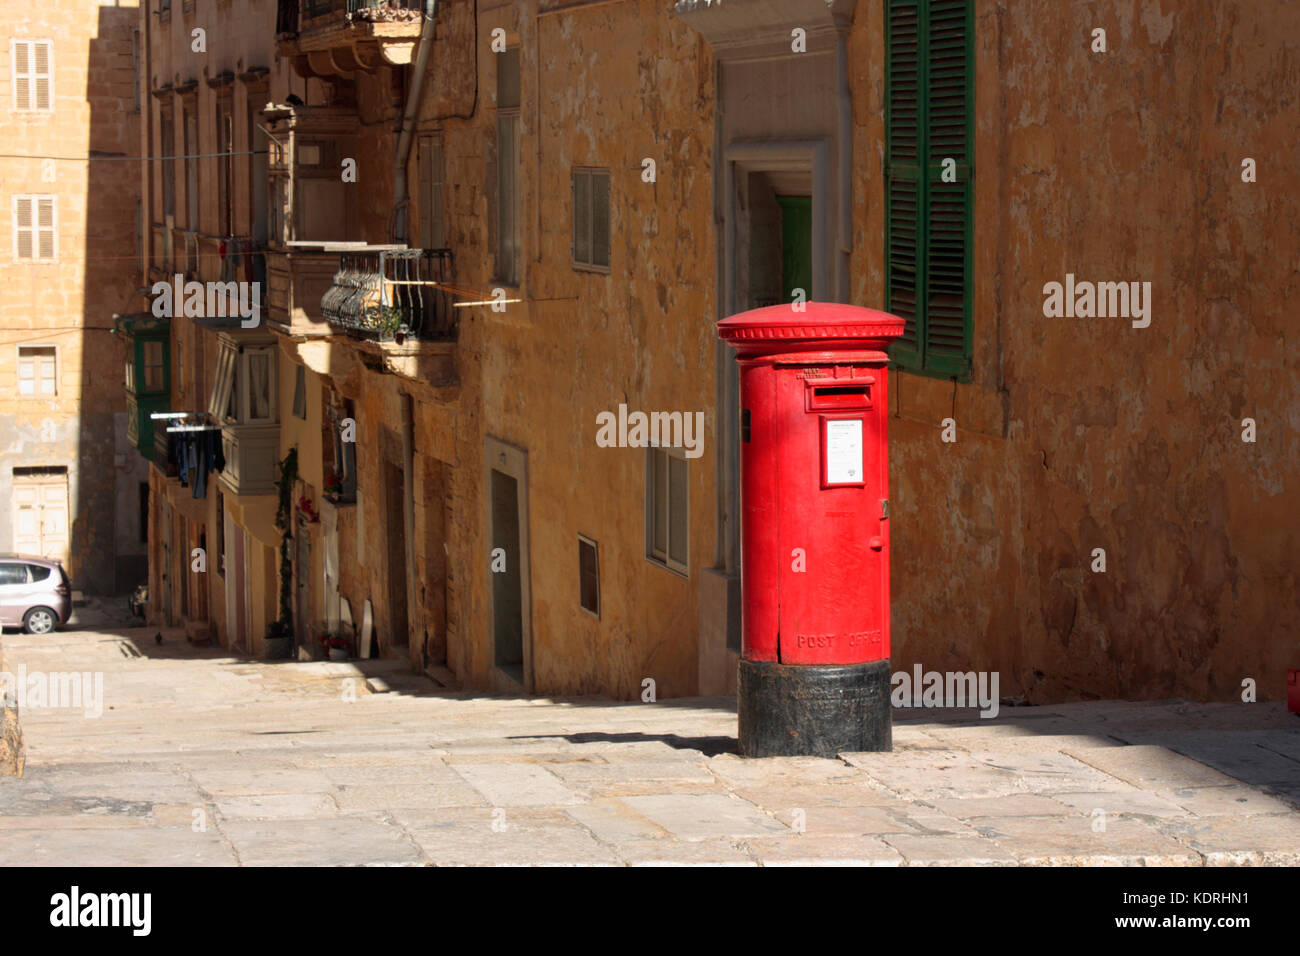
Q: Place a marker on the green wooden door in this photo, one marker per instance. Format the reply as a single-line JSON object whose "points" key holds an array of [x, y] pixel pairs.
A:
{"points": [[796, 246]]}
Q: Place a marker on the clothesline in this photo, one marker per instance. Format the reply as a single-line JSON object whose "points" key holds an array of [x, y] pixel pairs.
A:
{"points": [[203, 425]]}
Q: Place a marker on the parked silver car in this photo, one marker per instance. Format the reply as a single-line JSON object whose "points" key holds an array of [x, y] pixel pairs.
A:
{"points": [[34, 593]]}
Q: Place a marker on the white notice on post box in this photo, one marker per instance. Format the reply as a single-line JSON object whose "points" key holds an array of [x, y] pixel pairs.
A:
{"points": [[843, 451]]}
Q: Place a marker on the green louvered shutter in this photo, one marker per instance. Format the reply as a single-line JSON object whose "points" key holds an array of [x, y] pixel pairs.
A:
{"points": [[930, 106], [903, 181]]}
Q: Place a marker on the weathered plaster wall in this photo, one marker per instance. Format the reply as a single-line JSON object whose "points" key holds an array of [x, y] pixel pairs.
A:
{"points": [[1088, 433], [537, 375]]}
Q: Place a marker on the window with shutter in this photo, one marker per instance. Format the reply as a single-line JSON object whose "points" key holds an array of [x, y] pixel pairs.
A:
{"points": [[41, 84], [929, 166], [432, 220], [23, 227], [45, 227], [34, 227], [33, 80]]}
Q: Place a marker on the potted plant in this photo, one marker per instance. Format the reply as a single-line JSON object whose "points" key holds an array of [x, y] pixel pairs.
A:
{"points": [[338, 646], [333, 485], [384, 319], [278, 643]]}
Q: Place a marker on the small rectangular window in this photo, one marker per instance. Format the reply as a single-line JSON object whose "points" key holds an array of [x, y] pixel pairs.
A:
{"points": [[590, 219], [300, 393], [154, 359], [667, 509], [221, 534], [342, 483], [37, 370], [144, 512], [166, 150], [588, 575], [135, 70], [432, 218], [34, 227], [180, 366], [225, 167], [507, 178], [190, 132], [33, 77], [261, 383]]}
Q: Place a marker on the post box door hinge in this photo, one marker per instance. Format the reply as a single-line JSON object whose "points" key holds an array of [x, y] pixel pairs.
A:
{"points": [[884, 508]]}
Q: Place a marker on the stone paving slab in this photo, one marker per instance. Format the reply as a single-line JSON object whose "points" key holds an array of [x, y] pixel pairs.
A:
{"points": [[200, 758], [824, 850], [337, 841], [1153, 767], [705, 816], [502, 837], [516, 785], [1272, 840], [1085, 841], [97, 846]]}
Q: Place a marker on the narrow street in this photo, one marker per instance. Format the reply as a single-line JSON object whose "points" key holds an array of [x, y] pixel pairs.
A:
{"points": [[202, 759]]}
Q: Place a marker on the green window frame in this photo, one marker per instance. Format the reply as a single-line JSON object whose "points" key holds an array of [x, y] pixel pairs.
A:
{"points": [[929, 118]]}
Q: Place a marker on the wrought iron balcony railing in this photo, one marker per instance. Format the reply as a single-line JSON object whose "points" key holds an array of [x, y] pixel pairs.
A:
{"points": [[386, 9], [291, 12], [392, 293]]}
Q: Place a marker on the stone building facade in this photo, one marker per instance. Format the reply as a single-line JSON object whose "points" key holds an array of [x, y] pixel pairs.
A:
{"points": [[69, 483], [480, 226]]}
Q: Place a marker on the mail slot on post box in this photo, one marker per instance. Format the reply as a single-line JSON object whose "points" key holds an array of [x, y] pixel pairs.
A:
{"points": [[814, 670]]}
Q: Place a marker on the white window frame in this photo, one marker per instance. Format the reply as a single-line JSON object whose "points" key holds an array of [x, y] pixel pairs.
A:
{"points": [[35, 228], [219, 400], [664, 558], [31, 75], [19, 350], [245, 381], [233, 364], [585, 177]]}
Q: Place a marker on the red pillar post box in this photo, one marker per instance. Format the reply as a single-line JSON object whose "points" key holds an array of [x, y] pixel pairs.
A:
{"points": [[814, 670]]}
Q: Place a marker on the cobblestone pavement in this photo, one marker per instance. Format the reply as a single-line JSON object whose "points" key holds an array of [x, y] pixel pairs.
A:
{"points": [[203, 759]]}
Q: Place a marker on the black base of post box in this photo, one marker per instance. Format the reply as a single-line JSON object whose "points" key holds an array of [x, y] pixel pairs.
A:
{"points": [[813, 710]]}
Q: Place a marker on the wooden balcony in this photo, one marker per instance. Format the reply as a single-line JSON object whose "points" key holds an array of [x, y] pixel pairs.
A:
{"points": [[338, 38], [299, 274], [252, 454]]}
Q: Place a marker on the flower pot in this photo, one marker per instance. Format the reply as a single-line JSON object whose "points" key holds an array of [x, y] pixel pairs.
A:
{"points": [[277, 648], [338, 653]]}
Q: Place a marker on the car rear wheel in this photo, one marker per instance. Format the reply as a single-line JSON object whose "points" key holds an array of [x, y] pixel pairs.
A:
{"points": [[40, 620]]}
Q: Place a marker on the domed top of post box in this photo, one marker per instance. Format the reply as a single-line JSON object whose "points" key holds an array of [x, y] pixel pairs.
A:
{"points": [[820, 327]]}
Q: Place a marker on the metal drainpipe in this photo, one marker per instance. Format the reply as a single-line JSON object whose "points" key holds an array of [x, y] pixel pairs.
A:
{"points": [[844, 201], [408, 121]]}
